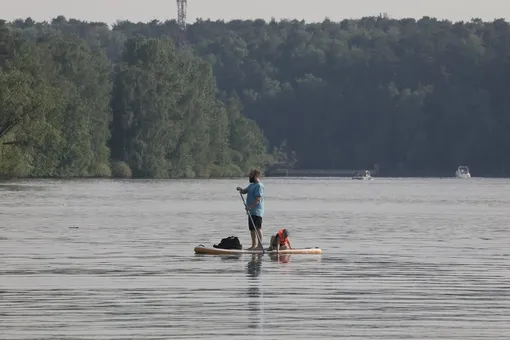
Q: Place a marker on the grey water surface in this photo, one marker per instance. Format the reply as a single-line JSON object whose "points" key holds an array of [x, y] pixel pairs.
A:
{"points": [[403, 259]]}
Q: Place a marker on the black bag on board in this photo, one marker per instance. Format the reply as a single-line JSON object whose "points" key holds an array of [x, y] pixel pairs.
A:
{"points": [[231, 242]]}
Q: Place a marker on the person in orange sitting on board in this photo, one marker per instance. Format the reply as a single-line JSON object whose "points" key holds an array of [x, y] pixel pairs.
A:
{"points": [[280, 241]]}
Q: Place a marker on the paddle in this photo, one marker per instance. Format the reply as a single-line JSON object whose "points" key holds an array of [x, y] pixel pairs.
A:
{"points": [[251, 219]]}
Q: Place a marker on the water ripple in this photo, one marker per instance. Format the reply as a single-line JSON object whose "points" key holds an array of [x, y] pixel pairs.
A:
{"points": [[403, 259]]}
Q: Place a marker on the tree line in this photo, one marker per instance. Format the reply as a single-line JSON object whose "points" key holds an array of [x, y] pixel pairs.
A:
{"points": [[412, 96], [69, 110]]}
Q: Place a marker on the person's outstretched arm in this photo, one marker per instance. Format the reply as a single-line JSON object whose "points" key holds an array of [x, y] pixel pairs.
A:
{"points": [[241, 190]]}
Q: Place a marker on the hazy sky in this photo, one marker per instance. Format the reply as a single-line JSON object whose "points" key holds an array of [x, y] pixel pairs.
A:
{"points": [[313, 10]]}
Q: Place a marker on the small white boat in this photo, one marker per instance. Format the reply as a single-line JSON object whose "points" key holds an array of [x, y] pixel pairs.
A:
{"points": [[462, 172], [362, 175]]}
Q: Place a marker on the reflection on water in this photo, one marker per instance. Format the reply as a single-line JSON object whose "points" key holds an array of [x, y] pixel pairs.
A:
{"points": [[418, 259], [255, 293], [20, 187], [254, 267], [281, 258]]}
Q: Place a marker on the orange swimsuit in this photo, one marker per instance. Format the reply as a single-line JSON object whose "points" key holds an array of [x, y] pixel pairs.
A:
{"points": [[283, 240]]}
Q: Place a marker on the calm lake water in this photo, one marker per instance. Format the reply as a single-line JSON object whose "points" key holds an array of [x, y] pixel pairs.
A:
{"points": [[403, 259]]}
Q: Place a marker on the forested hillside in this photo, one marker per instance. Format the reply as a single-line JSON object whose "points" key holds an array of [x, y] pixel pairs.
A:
{"points": [[70, 109], [413, 96]]}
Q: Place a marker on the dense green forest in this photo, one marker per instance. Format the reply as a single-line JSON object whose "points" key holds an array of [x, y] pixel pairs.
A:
{"points": [[67, 109], [412, 96]]}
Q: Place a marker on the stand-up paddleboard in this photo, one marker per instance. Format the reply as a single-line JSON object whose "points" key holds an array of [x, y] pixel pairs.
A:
{"points": [[201, 249]]}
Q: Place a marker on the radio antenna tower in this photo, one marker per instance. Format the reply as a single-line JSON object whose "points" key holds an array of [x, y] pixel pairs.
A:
{"points": [[181, 13]]}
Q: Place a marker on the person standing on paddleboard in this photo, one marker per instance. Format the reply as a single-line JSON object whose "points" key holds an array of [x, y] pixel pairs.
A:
{"points": [[255, 205]]}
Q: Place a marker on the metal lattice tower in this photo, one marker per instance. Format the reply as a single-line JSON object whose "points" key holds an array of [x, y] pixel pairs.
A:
{"points": [[182, 6]]}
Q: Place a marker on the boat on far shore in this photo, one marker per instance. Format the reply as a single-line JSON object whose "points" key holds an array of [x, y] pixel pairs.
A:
{"points": [[362, 175], [462, 172]]}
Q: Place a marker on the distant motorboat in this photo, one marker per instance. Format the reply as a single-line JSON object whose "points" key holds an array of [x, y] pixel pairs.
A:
{"points": [[462, 172], [362, 175]]}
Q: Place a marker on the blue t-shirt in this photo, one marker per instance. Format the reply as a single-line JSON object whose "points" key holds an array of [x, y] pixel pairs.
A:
{"points": [[255, 190]]}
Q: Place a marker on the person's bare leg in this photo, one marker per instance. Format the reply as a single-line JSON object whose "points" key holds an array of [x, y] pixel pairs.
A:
{"points": [[253, 240], [272, 244], [259, 231]]}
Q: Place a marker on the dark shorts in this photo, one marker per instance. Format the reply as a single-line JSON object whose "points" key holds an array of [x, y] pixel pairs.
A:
{"points": [[257, 220]]}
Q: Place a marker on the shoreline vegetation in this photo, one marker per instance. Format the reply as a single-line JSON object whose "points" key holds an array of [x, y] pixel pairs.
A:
{"points": [[410, 97]]}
